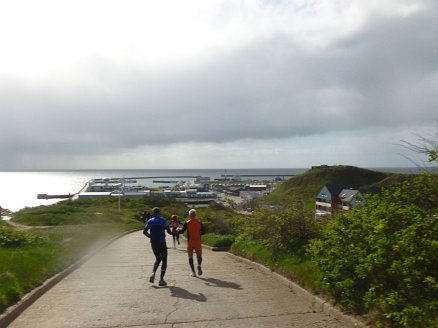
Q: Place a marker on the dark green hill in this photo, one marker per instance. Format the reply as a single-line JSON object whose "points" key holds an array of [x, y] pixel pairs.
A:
{"points": [[306, 186]]}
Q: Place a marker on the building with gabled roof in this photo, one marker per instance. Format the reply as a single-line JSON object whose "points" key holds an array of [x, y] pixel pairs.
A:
{"points": [[332, 198]]}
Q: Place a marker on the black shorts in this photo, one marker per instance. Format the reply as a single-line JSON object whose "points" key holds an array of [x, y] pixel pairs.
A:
{"points": [[159, 249]]}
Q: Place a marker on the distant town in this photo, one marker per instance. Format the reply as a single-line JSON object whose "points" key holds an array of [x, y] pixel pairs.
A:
{"points": [[199, 190], [229, 190]]}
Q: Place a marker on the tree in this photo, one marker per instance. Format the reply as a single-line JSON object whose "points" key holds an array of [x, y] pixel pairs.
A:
{"points": [[427, 146]]}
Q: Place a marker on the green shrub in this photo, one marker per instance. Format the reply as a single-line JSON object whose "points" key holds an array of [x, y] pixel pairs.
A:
{"points": [[288, 230], [277, 239], [383, 259], [9, 237], [217, 240], [252, 249]]}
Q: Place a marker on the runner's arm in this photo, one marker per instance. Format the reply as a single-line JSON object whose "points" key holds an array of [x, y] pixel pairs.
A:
{"points": [[146, 232], [184, 228], [168, 230]]}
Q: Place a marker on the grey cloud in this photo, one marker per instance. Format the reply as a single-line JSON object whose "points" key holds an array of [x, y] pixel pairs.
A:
{"points": [[392, 65], [273, 88]]}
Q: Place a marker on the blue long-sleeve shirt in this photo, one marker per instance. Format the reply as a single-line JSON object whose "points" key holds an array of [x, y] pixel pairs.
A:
{"points": [[157, 225]]}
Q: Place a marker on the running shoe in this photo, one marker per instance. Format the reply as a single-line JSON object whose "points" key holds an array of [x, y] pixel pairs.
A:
{"points": [[162, 283], [152, 278], [199, 270]]}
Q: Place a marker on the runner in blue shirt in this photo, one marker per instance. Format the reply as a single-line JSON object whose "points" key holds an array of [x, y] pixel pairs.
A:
{"points": [[154, 230]]}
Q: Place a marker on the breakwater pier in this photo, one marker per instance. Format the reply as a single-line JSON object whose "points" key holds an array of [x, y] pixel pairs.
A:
{"points": [[45, 196]]}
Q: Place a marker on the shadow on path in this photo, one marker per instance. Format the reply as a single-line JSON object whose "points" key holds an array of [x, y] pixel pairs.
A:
{"points": [[183, 293], [220, 283]]}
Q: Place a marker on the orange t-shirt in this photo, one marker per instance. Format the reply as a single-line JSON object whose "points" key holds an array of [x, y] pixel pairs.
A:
{"points": [[194, 227]]}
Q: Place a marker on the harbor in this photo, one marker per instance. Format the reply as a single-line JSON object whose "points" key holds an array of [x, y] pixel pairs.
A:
{"points": [[21, 189], [189, 189]]}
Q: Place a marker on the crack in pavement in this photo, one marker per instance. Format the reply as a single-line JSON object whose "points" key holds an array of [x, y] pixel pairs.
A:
{"points": [[175, 305], [244, 317]]}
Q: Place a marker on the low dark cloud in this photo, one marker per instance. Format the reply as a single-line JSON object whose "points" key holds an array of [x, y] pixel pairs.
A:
{"points": [[385, 75]]}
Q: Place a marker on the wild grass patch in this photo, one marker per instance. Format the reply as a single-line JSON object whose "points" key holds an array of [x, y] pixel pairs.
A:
{"points": [[296, 267], [218, 240]]}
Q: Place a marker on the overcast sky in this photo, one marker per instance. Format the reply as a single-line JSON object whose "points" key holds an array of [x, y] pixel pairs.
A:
{"points": [[214, 83]]}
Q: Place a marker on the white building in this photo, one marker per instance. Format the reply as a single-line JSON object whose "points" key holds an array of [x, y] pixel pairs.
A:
{"points": [[332, 198]]}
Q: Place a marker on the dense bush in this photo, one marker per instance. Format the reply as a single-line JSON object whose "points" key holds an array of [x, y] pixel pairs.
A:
{"points": [[11, 238], [289, 229], [218, 240], [382, 259]]}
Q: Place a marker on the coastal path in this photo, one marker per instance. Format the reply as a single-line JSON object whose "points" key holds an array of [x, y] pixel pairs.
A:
{"points": [[112, 289]]}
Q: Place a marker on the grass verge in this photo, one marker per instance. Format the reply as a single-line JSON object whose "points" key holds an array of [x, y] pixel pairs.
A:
{"points": [[218, 240], [295, 267]]}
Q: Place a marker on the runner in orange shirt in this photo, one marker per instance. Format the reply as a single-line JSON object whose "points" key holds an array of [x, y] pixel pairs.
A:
{"points": [[194, 229]]}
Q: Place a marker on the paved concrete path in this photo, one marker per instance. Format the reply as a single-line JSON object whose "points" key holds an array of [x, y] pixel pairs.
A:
{"points": [[112, 289]]}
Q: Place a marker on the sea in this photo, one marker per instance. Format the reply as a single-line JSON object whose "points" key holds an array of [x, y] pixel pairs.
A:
{"points": [[19, 189]]}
